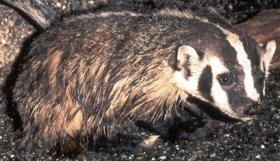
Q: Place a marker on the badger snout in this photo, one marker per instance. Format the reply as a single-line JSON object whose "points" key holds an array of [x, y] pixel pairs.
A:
{"points": [[248, 111], [253, 108]]}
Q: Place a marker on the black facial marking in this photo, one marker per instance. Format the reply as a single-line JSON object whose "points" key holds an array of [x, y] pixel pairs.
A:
{"points": [[200, 54], [251, 49], [259, 78], [205, 83], [264, 67], [173, 62], [253, 53]]}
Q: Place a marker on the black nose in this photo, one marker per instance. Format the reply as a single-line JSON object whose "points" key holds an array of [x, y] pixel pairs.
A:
{"points": [[254, 108]]}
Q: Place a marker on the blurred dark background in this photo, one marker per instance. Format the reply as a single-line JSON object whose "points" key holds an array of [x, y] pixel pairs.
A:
{"points": [[235, 10]]}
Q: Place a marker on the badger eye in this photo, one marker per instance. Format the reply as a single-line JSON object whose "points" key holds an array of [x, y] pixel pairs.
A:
{"points": [[225, 79]]}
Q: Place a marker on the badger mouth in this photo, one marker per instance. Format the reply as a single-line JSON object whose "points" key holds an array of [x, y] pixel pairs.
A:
{"points": [[244, 113], [238, 116], [225, 114]]}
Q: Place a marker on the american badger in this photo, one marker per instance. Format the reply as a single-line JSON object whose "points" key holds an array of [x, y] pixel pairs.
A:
{"points": [[88, 72]]}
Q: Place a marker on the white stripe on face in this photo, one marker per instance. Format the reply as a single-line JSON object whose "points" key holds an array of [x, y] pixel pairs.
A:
{"points": [[243, 60], [219, 95]]}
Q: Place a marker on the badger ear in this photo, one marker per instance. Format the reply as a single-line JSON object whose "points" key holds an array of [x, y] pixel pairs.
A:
{"points": [[268, 53], [186, 55]]}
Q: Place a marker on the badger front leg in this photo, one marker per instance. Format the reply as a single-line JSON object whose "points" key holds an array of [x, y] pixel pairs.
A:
{"points": [[170, 129], [176, 129], [203, 124], [200, 132], [191, 124]]}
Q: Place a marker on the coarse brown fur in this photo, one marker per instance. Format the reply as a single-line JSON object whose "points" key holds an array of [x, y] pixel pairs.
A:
{"points": [[76, 84], [84, 74]]}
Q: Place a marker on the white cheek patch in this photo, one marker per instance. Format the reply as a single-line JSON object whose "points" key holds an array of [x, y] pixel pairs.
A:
{"points": [[219, 95], [243, 60], [220, 98], [189, 85]]}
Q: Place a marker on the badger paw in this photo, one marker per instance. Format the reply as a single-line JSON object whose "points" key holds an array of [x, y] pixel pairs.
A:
{"points": [[201, 132], [125, 144], [176, 130]]}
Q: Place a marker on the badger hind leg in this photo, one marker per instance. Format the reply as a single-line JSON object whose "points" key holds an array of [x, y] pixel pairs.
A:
{"points": [[59, 128], [69, 147], [58, 146]]}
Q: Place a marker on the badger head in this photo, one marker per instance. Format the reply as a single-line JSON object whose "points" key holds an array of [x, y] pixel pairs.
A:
{"points": [[228, 73]]}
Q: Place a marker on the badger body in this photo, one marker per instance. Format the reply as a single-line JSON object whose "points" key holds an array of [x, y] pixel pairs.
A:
{"points": [[88, 72]]}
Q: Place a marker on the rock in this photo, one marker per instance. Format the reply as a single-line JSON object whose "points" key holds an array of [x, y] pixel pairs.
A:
{"points": [[264, 27], [14, 30]]}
